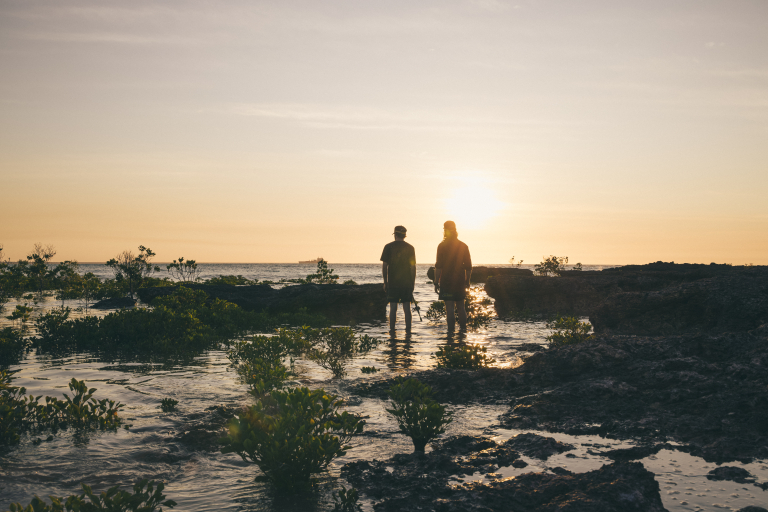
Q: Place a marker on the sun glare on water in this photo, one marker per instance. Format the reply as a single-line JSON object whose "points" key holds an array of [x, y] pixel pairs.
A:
{"points": [[472, 205]]}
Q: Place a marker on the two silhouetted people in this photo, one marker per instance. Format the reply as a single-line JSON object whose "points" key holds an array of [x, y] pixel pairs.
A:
{"points": [[453, 270]]}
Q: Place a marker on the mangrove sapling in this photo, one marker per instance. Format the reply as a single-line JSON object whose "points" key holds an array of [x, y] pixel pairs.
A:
{"points": [[259, 361], [292, 435], [184, 271], [552, 265], [369, 369], [37, 265], [324, 275], [89, 287], [346, 500], [12, 345], [168, 404], [332, 348], [147, 496], [463, 357], [22, 314], [133, 268], [568, 331], [231, 280], [417, 414], [350, 282]]}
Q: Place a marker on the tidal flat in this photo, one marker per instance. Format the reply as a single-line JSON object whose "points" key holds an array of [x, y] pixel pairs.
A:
{"points": [[526, 391]]}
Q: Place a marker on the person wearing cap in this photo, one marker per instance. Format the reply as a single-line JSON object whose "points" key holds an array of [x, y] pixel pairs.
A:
{"points": [[453, 270], [399, 271]]}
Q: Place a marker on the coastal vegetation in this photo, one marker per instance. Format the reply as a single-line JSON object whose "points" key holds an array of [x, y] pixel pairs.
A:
{"points": [[477, 313], [12, 345], [184, 271], [567, 330], [147, 496], [20, 413], [133, 269], [551, 266], [168, 404], [417, 414], [292, 435], [463, 357]]}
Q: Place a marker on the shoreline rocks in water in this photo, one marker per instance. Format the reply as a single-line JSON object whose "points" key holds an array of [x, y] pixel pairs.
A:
{"points": [[480, 274], [340, 303], [410, 482], [115, 303]]}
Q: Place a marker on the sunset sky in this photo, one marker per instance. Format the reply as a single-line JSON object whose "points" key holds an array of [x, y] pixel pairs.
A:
{"points": [[244, 131]]}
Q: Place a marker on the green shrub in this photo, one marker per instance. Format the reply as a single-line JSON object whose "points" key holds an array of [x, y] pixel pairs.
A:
{"points": [[292, 435], [477, 316], [350, 282], [464, 357], [345, 500], [417, 414], [324, 275], [436, 311], [553, 265], [568, 331], [168, 404], [12, 345], [332, 348], [231, 280], [19, 413], [369, 369], [145, 498], [259, 360]]}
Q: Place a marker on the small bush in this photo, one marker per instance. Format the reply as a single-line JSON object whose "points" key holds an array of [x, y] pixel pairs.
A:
{"points": [[231, 280], [168, 404], [465, 357], [436, 311], [332, 348], [19, 413], [350, 282], [12, 345], [345, 500], [292, 435], [260, 360], [145, 498], [418, 415], [568, 331], [553, 265], [369, 369]]}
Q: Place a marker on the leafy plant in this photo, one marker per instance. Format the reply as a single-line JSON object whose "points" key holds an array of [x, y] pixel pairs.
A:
{"points": [[133, 268], [350, 282], [147, 496], [513, 261], [436, 311], [12, 345], [324, 275], [231, 280], [552, 265], [369, 369], [417, 414], [19, 413], [292, 435], [577, 267], [37, 264], [477, 316], [346, 500], [21, 313], [464, 357], [332, 348], [168, 404], [184, 271], [259, 360], [568, 331]]}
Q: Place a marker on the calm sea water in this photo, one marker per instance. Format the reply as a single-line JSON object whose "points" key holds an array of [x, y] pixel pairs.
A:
{"points": [[208, 481]]}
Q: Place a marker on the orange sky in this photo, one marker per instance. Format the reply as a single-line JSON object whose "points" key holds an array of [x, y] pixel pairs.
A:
{"points": [[610, 132]]}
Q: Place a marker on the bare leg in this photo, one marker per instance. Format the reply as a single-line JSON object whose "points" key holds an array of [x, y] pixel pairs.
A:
{"points": [[450, 314], [462, 315], [407, 313], [392, 315]]}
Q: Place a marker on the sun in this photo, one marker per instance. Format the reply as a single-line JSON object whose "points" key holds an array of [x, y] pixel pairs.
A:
{"points": [[472, 205]]}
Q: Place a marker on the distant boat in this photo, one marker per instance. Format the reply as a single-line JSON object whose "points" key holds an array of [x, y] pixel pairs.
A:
{"points": [[318, 260]]}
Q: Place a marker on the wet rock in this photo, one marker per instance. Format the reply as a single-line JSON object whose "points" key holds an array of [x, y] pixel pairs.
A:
{"points": [[116, 303], [538, 447], [204, 430], [727, 302], [340, 303], [739, 475], [752, 508], [427, 483], [708, 392]]}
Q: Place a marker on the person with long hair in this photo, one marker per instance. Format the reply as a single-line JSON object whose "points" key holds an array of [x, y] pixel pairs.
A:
{"points": [[453, 271]]}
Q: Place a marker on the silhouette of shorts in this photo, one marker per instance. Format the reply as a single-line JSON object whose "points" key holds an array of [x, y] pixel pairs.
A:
{"points": [[457, 294], [398, 294]]}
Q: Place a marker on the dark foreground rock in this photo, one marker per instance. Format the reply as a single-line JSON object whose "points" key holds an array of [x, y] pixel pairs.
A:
{"points": [[480, 274], [654, 299], [538, 447], [409, 482], [709, 392], [739, 475], [340, 303], [116, 303]]}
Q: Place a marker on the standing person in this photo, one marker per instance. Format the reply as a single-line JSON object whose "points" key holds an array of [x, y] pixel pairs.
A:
{"points": [[399, 272], [453, 270]]}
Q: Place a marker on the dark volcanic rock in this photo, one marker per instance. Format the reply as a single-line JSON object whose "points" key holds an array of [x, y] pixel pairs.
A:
{"points": [[340, 303], [739, 475], [424, 483], [752, 508], [538, 447], [710, 392], [724, 303], [481, 274], [116, 303]]}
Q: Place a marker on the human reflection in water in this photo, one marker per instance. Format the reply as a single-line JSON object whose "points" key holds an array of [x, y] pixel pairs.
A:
{"points": [[399, 353], [454, 338]]}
